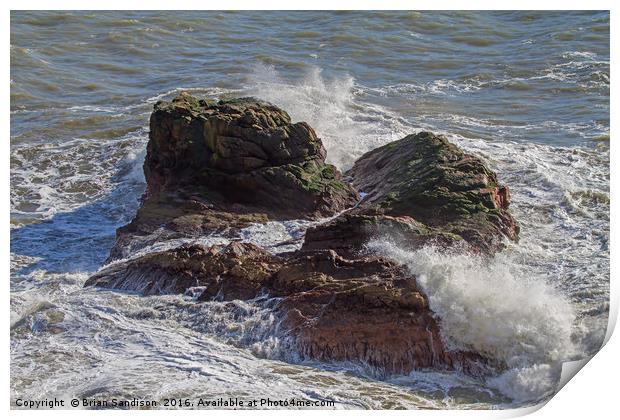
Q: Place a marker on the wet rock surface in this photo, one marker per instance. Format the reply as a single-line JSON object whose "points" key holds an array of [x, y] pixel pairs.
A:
{"points": [[234, 271], [243, 153], [367, 309], [217, 167], [422, 190]]}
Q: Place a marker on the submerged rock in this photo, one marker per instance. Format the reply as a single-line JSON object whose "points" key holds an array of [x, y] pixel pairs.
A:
{"points": [[215, 167]]}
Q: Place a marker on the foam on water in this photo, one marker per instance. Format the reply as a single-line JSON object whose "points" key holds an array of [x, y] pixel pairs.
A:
{"points": [[496, 309], [493, 308], [55, 178]]}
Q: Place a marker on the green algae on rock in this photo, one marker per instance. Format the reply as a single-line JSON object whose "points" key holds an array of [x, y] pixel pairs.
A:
{"points": [[219, 166], [242, 151], [434, 191]]}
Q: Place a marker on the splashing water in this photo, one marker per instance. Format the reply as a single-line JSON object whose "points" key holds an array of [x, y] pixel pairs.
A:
{"points": [[490, 307], [496, 309], [346, 128]]}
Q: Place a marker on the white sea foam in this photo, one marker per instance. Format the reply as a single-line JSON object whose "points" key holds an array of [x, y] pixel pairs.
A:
{"points": [[498, 310], [581, 54], [62, 177], [534, 382], [491, 307], [95, 108], [346, 127]]}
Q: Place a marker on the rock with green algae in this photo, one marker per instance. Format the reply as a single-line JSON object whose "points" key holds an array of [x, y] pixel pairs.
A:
{"points": [[215, 167], [422, 190], [244, 152]]}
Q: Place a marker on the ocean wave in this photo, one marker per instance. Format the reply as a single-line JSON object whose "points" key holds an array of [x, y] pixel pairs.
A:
{"points": [[51, 178], [590, 130], [580, 54], [204, 91], [581, 69], [493, 308]]}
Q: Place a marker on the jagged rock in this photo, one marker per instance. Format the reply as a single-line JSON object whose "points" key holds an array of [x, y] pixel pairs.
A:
{"points": [[349, 233], [218, 166], [237, 270], [366, 309], [242, 152], [418, 190]]}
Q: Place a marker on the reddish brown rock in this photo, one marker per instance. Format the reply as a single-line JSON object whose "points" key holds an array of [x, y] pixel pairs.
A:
{"points": [[365, 309], [237, 270]]}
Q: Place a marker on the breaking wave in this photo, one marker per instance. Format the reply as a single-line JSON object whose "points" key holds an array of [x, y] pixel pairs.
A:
{"points": [[491, 307], [347, 127]]}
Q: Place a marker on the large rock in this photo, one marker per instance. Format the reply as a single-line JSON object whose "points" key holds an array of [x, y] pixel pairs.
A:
{"points": [[242, 152], [349, 233], [214, 167], [420, 190], [237, 270], [368, 309]]}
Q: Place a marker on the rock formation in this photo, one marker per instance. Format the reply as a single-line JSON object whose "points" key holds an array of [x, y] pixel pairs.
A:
{"points": [[219, 166], [368, 309], [419, 190]]}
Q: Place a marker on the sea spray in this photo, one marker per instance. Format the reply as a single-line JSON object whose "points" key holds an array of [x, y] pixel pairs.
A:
{"points": [[528, 383], [494, 308], [347, 129], [490, 307]]}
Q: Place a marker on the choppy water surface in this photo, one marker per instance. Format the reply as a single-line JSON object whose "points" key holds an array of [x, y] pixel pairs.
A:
{"points": [[528, 91]]}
